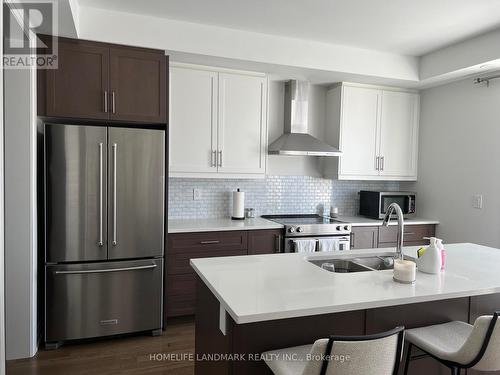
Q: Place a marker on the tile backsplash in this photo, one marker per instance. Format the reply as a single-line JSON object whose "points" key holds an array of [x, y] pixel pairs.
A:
{"points": [[272, 195]]}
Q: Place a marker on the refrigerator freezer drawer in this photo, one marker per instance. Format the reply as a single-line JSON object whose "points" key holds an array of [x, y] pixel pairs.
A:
{"points": [[100, 299]]}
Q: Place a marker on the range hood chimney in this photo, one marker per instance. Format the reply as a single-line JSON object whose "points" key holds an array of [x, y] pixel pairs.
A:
{"points": [[296, 140]]}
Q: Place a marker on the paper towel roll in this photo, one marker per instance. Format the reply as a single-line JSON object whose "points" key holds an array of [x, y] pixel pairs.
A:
{"points": [[238, 205]]}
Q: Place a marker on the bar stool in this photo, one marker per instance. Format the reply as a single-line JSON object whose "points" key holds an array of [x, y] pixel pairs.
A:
{"points": [[459, 345], [378, 354]]}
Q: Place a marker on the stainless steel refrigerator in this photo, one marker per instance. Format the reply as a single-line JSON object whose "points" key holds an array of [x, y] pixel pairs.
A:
{"points": [[104, 231]]}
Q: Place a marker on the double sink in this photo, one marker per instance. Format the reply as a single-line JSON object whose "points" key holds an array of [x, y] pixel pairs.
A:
{"points": [[355, 264]]}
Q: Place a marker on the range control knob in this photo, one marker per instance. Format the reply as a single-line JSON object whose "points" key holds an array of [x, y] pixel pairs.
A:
{"points": [[291, 230], [339, 227], [300, 230], [346, 227]]}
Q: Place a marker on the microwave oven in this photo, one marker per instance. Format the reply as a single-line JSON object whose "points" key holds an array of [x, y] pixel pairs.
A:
{"points": [[374, 204]]}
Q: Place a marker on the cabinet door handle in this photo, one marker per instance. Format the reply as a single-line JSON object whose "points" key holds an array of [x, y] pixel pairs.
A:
{"points": [[277, 243], [214, 158], [211, 242], [105, 101], [377, 163], [381, 163], [113, 102], [220, 158]]}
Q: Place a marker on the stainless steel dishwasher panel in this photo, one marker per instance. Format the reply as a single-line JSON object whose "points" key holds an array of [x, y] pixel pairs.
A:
{"points": [[100, 299]]}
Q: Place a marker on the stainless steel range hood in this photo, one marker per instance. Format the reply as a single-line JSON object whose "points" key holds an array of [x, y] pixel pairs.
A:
{"points": [[296, 140]]}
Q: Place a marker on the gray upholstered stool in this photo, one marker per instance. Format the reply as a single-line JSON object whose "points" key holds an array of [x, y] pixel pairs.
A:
{"points": [[378, 354], [459, 345]]}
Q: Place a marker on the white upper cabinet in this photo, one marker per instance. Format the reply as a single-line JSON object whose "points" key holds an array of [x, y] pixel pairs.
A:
{"points": [[218, 123], [398, 134], [377, 131], [359, 139], [242, 112], [193, 120]]}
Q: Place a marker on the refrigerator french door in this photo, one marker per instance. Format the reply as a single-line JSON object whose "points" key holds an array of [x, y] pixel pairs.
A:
{"points": [[104, 220]]}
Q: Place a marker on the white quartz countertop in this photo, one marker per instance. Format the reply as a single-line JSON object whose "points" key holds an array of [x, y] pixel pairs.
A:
{"points": [[277, 286], [225, 224], [214, 225], [360, 221]]}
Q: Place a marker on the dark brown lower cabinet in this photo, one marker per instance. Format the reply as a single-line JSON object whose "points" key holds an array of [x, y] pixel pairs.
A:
{"points": [[255, 338], [266, 241], [378, 236], [413, 235], [364, 237], [181, 295], [180, 289]]}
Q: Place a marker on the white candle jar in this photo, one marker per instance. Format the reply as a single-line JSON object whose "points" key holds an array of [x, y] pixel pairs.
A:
{"points": [[405, 271]]}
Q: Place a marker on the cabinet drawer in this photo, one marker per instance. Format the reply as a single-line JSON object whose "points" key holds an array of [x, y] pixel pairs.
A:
{"points": [[413, 233], [180, 295], [101, 299], [181, 305], [186, 246], [181, 284]]}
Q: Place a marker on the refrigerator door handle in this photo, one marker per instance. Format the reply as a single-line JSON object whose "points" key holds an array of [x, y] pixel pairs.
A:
{"points": [[115, 241], [101, 221], [113, 102], [77, 272]]}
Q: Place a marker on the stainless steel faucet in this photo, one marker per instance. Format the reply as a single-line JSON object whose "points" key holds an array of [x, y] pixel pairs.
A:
{"points": [[395, 207]]}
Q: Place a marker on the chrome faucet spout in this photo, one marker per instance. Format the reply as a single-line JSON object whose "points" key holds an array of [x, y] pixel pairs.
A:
{"points": [[395, 208]]}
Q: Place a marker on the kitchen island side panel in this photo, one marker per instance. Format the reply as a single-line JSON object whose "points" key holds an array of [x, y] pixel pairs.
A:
{"points": [[251, 339], [256, 338]]}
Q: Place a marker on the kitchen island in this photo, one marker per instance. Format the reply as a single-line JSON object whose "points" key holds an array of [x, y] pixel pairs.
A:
{"points": [[247, 305]]}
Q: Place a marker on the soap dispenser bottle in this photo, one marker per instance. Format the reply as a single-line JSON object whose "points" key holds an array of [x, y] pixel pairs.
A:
{"points": [[443, 253], [430, 262]]}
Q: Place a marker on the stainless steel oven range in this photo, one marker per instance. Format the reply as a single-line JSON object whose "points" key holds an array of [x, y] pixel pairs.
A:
{"points": [[312, 227]]}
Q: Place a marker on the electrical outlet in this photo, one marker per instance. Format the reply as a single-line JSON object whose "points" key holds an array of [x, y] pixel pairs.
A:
{"points": [[477, 201], [196, 194]]}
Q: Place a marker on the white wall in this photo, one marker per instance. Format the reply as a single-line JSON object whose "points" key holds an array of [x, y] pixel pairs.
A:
{"points": [[20, 214], [2, 258], [173, 35], [478, 50], [295, 165], [460, 157]]}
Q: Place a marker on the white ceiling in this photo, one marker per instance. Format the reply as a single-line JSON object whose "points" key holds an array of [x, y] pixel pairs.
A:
{"points": [[398, 26]]}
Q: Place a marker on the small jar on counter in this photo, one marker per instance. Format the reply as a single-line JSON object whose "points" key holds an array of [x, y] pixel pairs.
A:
{"points": [[249, 213]]}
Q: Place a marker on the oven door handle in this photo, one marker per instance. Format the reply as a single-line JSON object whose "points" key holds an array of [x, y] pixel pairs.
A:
{"points": [[344, 240]]}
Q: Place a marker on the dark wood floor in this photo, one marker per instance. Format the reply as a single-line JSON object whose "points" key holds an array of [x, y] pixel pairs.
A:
{"points": [[128, 355]]}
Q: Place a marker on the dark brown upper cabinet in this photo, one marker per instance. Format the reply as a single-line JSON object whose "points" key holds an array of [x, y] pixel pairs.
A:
{"points": [[77, 88], [105, 82], [138, 85]]}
